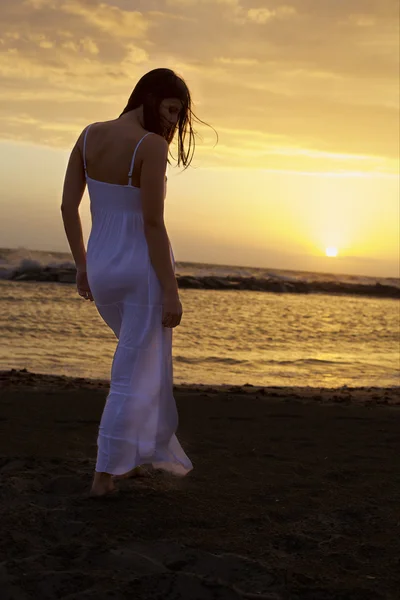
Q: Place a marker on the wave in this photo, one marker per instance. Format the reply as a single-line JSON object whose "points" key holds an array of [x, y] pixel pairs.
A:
{"points": [[21, 260], [260, 363], [306, 361], [210, 359]]}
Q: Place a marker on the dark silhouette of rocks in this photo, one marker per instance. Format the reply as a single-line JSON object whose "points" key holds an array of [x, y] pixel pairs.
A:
{"points": [[272, 285]]}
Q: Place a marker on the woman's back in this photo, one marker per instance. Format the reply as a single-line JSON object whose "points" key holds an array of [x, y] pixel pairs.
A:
{"points": [[118, 263], [108, 151]]}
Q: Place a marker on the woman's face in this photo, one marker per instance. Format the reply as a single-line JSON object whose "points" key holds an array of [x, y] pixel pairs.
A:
{"points": [[170, 109]]}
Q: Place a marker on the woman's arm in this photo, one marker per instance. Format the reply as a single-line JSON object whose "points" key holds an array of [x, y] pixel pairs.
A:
{"points": [[74, 187], [152, 186]]}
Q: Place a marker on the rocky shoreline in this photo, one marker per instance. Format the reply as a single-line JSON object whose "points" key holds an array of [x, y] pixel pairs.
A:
{"points": [[272, 285]]}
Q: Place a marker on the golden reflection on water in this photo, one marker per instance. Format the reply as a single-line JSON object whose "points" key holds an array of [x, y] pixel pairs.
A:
{"points": [[229, 337]]}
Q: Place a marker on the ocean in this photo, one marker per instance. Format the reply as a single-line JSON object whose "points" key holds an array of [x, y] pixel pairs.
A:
{"points": [[226, 336]]}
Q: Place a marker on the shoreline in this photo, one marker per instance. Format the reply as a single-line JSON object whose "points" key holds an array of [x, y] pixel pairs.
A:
{"points": [[19, 379]]}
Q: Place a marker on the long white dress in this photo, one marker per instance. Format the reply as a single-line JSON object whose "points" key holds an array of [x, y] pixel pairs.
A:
{"points": [[140, 417]]}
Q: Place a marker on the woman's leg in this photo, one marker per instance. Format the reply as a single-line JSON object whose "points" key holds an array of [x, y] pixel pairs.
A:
{"points": [[102, 485]]}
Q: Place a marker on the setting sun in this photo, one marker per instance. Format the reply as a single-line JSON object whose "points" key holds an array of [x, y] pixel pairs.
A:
{"points": [[331, 251], [314, 186]]}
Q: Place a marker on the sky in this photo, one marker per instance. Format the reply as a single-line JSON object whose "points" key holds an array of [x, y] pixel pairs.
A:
{"points": [[303, 95]]}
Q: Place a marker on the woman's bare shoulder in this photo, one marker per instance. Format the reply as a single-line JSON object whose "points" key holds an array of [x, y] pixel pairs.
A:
{"points": [[93, 127], [154, 142], [103, 125], [101, 130]]}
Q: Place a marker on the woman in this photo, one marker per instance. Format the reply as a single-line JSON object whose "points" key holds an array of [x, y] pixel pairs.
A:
{"points": [[129, 270]]}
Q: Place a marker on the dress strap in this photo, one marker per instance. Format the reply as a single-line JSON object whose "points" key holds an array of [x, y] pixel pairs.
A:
{"points": [[134, 156], [84, 148]]}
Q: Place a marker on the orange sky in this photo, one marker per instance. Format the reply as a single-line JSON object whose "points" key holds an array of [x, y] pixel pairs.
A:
{"points": [[303, 94]]}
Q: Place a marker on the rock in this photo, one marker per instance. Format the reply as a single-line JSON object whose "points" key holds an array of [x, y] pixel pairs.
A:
{"points": [[67, 274], [189, 282], [30, 276], [66, 277]]}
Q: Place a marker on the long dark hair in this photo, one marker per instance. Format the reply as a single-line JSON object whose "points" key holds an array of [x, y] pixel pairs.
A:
{"points": [[150, 91]]}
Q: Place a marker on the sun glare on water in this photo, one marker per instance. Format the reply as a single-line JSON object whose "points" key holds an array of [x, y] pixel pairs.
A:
{"points": [[331, 251]]}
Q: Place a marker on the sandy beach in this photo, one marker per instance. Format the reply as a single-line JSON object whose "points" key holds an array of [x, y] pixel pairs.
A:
{"points": [[295, 494]]}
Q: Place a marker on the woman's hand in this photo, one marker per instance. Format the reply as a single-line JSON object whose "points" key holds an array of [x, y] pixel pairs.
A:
{"points": [[83, 285], [172, 309]]}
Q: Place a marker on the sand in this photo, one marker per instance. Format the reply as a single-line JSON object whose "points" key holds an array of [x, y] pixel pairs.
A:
{"points": [[295, 494]]}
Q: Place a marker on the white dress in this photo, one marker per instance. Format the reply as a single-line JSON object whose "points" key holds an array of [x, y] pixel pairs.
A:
{"points": [[140, 417]]}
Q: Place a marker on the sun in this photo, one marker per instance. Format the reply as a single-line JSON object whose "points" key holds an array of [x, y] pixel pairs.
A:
{"points": [[331, 251]]}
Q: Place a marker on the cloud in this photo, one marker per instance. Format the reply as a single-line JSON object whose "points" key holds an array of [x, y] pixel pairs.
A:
{"points": [[108, 18], [225, 60], [81, 46], [263, 15], [191, 3], [320, 77]]}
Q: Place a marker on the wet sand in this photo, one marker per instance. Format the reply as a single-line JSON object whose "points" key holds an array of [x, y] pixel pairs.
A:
{"points": [[295, 494]]}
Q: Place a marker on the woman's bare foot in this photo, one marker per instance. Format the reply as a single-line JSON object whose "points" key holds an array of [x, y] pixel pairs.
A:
{"points": [[102, 485], [135, 472]]}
